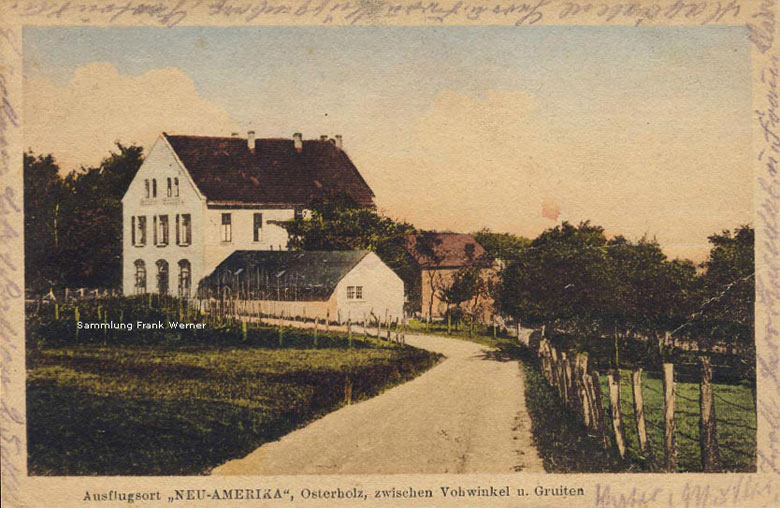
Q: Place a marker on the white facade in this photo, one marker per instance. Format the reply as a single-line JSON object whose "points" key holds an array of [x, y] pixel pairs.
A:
{"points": [[381, 292], [172, 238]]}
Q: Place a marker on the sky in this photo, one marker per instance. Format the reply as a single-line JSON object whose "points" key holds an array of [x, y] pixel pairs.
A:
{"points": [[644, 131]]}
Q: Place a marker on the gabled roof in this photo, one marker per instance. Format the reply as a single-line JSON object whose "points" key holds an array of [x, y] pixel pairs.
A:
{"points": [[283, 275], [227, 172], [446, 250]]}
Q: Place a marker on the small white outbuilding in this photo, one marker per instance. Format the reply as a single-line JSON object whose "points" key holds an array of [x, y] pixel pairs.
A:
{"points": [[334, 285]]}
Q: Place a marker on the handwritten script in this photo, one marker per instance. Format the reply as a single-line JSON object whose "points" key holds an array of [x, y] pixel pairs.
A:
{"points": [[768, 274], [738, 490], [527, 12], [11, 295]]}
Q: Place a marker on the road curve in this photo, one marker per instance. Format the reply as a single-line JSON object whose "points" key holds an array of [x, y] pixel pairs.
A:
{"points": [[465, 415]]}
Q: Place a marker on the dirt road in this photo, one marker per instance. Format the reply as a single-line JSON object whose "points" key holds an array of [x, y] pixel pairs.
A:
{"points": [[466, 415]]}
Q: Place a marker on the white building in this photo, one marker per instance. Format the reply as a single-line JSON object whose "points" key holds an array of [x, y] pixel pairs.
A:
{"points": [[195, 200], [335, 285]]}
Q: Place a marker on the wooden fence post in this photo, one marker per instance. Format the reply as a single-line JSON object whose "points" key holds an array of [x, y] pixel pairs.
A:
{"points": [[710, 455], [348, 390], [598, 407], [581, 388], [639, 411], [613, 378], [670, 438], [569, 396]]}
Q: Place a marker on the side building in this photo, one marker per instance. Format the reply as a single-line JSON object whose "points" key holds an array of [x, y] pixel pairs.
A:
{"points": [[195, 200], [334, 285], [439, 257]]}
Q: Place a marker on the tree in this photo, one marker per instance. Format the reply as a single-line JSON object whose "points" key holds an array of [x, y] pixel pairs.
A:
{"points": [[561, 279], [504, 246], [467, 286], [43, 195], [73, 226], [339, 223], [93, 252], [426, 247], [728, 295]]}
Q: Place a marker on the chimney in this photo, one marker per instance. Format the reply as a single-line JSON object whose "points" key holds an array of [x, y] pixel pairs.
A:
{"points": [[234, 134], [338, 140], [250, 141], [298, 142]]}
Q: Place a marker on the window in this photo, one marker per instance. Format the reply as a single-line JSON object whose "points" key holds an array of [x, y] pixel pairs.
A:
{"points": [[146, 185], [350, 292], [183, 229], [185, 278], [258, 227], [162, 234], [140, 276], [358, 292], [169, 189], [141, 233], [154, 187], [298, 214], [227, 231], [162, 277], [132, 230], [176, 187], [186, 229], [154, 229]]}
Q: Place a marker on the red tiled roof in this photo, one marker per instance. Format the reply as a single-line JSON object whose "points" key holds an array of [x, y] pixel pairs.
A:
{"points": [[226, 171], [445, 250]]}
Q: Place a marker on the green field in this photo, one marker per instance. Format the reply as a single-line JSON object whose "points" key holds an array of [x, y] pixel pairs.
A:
{"points": [[154, 410], [173, 403], [735, 420]]}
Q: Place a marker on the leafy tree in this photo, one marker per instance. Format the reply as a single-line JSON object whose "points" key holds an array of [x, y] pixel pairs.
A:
{"points": [[339, 223], [73, 226], [43, 225], [93, 251], [562, 278], [467, 286], [504, 246], [728, 294], [650, 293]]}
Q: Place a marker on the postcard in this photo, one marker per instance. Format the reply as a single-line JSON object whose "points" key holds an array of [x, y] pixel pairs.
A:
{"points": [[375, 253]]}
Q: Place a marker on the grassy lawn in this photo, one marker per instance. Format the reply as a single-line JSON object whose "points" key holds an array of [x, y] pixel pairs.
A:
{"points": [[185, 404], [736, 423]]}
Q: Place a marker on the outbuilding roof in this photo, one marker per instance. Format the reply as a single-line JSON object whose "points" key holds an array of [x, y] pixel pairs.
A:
{"points": [[446, 250], [226, 171], [282, 275]]}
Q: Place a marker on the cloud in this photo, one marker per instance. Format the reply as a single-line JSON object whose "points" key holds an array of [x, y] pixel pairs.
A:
{"points": [[79, 123]]}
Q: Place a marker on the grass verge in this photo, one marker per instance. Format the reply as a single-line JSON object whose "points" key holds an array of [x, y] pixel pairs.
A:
{"points": [[183, 409]]}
